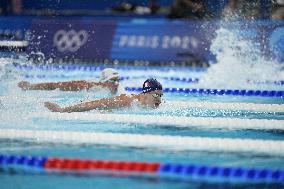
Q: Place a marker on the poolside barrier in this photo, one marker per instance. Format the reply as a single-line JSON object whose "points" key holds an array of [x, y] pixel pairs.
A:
{"points": [[165, 120], [164, 142], [14, 163]]}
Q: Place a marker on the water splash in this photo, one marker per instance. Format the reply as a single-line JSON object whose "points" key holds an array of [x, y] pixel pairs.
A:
{"points": [[239, 63], [8, 72]]}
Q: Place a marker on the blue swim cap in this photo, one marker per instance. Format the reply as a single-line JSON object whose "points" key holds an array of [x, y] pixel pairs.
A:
{"points": [[151, 85]]}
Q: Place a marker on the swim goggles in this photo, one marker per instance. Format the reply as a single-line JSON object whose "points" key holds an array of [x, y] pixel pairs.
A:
{"points": [[155, 95]]}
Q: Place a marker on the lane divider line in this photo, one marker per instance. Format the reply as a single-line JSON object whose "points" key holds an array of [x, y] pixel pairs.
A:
{"points": [[166, 142], [221, 92], [154, 169], [161, 120], [226, 106]]}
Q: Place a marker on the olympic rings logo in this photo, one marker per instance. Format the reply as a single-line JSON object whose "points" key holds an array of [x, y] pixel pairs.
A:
{"points": [[70, 41]]}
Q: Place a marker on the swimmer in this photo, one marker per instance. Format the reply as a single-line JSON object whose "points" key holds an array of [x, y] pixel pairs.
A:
{"points": [[109, 79], [152, 92]]}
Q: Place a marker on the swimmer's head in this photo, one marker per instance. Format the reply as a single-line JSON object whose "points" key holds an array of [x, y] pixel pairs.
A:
{"points": [[151, 85], [110, 77], [153, 91], [108, 74]]}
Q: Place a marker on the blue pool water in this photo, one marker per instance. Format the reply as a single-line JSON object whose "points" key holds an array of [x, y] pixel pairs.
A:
{"points": [[235, 70], [18, 107]]}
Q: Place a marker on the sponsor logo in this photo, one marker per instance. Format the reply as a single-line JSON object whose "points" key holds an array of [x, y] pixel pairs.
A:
{"points": [[155, 42], [69, 41]]}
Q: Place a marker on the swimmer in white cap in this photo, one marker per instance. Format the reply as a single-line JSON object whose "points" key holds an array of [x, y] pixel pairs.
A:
{"points": [[109, 79]]}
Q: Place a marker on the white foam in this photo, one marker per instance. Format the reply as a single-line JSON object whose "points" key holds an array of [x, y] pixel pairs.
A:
{"points": [[174, 121], [238, 60], [226, 106]]}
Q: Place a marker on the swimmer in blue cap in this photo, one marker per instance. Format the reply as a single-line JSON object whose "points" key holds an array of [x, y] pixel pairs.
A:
{"points": [[109, 79], [152, 92]]}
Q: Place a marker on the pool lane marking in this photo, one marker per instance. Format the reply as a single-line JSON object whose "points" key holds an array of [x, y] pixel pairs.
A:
{"points": [[226, 106], [166, 142], [162, 120], [12, 164], [220, 92]]}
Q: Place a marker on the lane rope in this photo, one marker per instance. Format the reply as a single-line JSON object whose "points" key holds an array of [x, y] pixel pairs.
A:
{"points": [[91, 68], [40, 164], [227, 106], [222, 92], [122, 78], [166, 142], [161, 120], [179, 79]]}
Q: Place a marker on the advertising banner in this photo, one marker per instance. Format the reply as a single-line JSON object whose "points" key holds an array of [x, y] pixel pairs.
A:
{"points": [[148, 40], [72, 38], [163, 40]]}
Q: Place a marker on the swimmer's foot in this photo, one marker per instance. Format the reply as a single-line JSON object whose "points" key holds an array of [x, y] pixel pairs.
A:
{"points": [[53, 107], [24, 85]]}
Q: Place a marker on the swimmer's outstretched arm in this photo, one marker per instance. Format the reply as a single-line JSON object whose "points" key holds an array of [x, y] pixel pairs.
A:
{"points": [[65, 86], [105, 103]]}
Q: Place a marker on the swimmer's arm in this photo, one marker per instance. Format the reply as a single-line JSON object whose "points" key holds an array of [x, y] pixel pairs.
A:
{"points": [[105, 103], [65, 86], [99, 84]]}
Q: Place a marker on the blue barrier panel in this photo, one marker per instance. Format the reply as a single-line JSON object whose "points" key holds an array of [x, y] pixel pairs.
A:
{"points": [[137, 39], [72, 38], [165, 40], [79, 4], [14, 27], [162, 40]]}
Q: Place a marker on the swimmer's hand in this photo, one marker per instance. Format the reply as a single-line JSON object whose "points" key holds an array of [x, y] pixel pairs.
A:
{"points": [[24, 85], [53, 107]]}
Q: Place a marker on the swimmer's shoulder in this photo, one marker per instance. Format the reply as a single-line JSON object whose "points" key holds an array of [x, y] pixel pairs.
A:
{"points": [[128, 95]]}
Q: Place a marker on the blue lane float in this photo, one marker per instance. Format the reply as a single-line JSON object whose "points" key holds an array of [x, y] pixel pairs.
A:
{"points": [[91, 68], [223, 92], [122, 78], [234, 174], [14, 163]]}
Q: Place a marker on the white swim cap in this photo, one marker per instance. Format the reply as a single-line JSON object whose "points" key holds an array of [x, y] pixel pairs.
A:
{"points": [[108, 74]]}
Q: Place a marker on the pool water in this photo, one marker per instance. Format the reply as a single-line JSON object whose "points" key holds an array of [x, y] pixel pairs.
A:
{"points": [[24, 110]]}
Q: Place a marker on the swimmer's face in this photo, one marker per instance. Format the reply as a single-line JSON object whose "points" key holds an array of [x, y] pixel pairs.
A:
{"points": [[153, 98], [113, 84]]}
